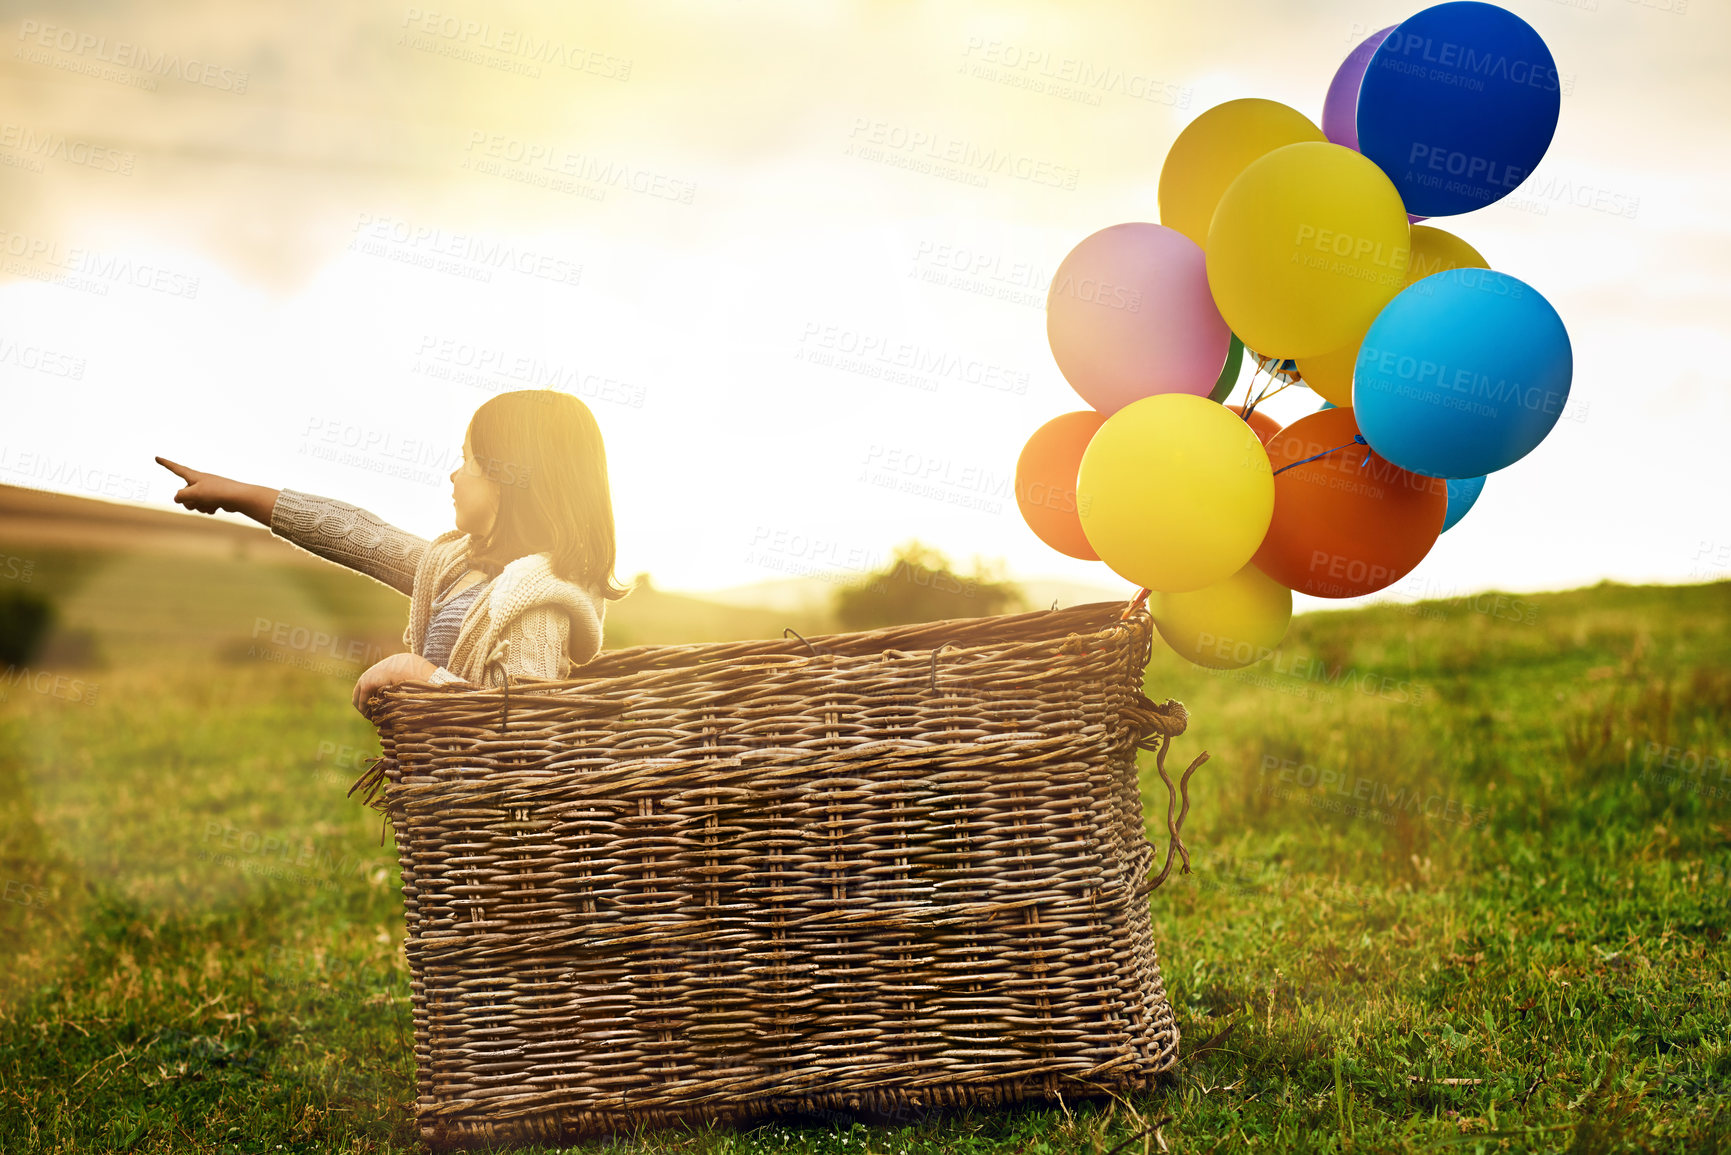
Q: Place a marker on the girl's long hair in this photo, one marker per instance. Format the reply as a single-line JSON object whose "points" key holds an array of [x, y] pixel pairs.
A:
{"points": [[544, 449]]}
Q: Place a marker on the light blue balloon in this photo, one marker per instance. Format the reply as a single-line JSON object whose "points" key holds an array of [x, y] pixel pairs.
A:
{"points": [[1463, 492], [1327, 405], [1462, 374]]}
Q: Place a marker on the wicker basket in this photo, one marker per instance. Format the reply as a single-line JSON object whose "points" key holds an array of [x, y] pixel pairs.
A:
{"points": [[877, 872]]}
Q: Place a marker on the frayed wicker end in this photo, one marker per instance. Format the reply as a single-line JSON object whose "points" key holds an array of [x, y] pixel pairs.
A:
{"points": [[372, 783]]}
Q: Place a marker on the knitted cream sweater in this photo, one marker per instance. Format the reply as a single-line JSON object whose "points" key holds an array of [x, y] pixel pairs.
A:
{"points": [[530, 623]]}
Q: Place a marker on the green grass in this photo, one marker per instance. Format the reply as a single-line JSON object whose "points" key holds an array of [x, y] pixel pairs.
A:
{"points": [[1448, 895]]}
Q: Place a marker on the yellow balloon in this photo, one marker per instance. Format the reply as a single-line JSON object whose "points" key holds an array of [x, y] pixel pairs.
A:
{"points": [[1233, 623], [1213, 149], [1432, 251], [1330, 374], [1306, 247], [1175, 492], [1435, 251]]}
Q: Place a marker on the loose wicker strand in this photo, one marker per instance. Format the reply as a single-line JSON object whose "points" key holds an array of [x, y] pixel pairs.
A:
{"points": [[371, 783], [814, 649], [1173, 829], [935, 653]]}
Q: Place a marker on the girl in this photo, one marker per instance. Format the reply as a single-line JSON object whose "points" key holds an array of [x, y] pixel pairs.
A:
{"points": [[519, 587]]}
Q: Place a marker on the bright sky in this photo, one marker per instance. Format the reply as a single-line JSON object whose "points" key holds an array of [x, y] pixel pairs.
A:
{"points": [[300, 245]]}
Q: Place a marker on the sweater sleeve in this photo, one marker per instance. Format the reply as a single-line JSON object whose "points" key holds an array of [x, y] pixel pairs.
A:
{"points": [[349, 536]]}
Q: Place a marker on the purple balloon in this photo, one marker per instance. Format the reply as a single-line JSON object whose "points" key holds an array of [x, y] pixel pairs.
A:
{"points": [[1340, 106]]}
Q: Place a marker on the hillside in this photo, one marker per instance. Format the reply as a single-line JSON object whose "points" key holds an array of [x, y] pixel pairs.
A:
{"points": [[136, 584], [36, 517]]}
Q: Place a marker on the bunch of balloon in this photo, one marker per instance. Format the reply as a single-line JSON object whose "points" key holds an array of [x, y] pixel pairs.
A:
{"points": [[1296, 246]]}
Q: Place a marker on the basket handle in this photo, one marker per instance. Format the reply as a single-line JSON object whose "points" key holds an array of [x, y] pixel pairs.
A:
{"points": [[1156, 726]]}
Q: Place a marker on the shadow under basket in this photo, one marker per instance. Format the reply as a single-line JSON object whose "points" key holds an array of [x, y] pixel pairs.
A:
{"points": [[884, 872]]}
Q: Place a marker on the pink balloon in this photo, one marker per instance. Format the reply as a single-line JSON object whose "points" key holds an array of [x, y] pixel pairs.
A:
{"points": [[1340, 106], [1129, 315]]}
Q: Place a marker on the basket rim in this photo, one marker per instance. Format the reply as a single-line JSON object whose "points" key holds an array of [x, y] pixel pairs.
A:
{"points": [[794, 653]]}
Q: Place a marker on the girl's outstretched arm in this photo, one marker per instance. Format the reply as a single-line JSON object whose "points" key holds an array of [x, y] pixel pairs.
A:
{"points": [[332, 529]]}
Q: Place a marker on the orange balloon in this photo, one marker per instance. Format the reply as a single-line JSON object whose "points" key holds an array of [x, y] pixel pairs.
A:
{"points": [[1344, 526], [1046, 481], [1261, 423]]}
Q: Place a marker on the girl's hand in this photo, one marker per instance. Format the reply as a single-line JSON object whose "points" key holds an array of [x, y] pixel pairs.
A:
{"points": [[208, 492], [388, 672]]}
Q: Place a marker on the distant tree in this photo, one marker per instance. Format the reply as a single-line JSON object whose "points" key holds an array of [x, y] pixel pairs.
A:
{"points": [[920, 585], [25, 619]]}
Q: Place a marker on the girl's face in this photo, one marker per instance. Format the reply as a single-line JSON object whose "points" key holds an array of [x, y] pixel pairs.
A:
{"points": [[475, 496]]}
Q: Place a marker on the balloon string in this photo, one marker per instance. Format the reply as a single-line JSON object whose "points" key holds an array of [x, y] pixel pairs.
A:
{"points": [[1357, 440], [1251, 407], [1266, 394], [1253, 402], [1250, 385], [1273, 365]]}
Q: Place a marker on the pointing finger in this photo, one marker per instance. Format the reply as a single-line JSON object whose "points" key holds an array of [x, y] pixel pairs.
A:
{"points": [[188, 475]]}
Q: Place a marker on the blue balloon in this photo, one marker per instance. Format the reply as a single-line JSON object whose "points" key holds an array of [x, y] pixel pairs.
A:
{"points": [[1458, 105], [1327, 405], [1463, 491], [1462, 374]]}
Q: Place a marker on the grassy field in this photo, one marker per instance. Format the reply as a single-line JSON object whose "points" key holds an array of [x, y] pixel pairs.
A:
{"points": [[1461, 881]]}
